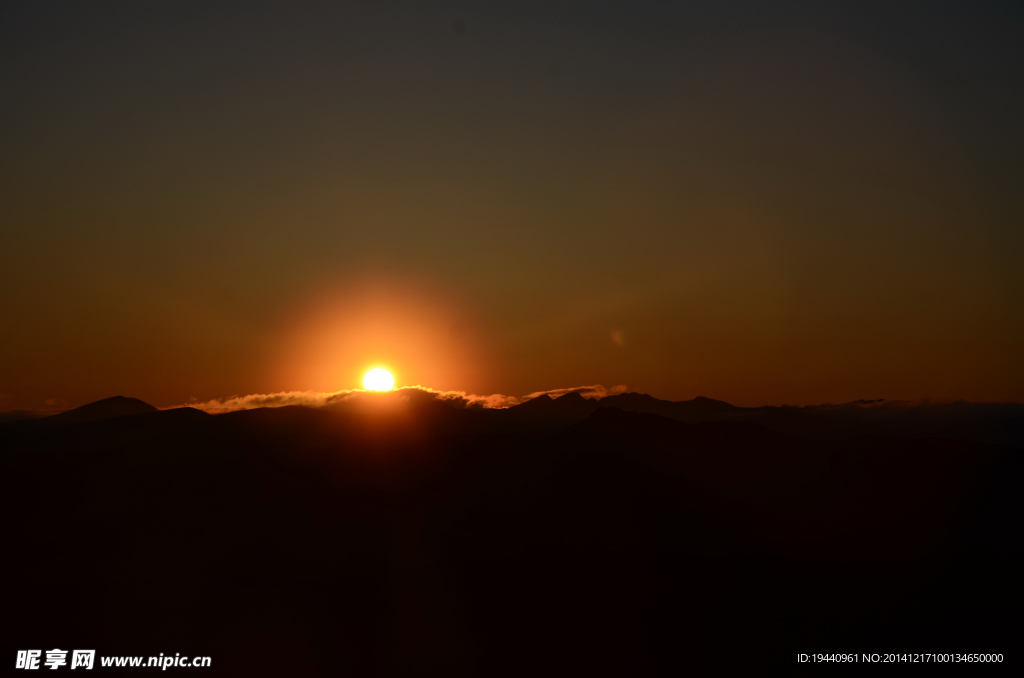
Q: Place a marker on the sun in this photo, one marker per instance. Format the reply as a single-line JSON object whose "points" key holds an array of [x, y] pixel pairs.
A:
{"points": [[378, 380]]}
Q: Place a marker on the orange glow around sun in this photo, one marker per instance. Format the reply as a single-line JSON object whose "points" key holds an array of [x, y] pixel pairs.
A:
{"points": [[378, 379], [329, 339]]}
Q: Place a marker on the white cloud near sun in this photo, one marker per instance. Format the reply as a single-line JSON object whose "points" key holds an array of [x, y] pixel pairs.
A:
{"points": [[319, 399]]}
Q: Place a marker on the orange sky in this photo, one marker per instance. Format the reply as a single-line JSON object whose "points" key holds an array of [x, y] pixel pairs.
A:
{"points": [[800, 209]]}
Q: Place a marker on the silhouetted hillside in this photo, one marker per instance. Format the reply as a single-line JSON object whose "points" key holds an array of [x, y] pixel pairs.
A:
{"points": [[400, 535], [569, 407], [109, 408], [1001, 423], [698, 409]]}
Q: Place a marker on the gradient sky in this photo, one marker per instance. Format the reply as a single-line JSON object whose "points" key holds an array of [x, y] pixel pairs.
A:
{"points": [[810, 203]]}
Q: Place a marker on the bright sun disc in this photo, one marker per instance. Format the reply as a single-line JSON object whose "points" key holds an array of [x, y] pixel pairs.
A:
{"points": [[378, 380]]}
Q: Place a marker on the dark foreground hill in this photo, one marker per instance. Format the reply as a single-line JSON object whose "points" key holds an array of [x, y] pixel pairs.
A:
{"points": [[415, 538]]}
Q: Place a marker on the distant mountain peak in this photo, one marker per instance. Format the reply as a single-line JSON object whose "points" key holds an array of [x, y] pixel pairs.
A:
{"points": [[539, 401], [572, 405], [108, 408]]}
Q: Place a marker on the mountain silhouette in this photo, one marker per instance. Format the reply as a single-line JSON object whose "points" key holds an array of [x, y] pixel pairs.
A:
{"points": [[980, 422], [399, 534], [108, 408], [571, 406]]}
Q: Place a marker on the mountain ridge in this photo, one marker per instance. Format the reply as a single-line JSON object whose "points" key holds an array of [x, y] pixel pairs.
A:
{"points": [[982, 422], [107, 408]]}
